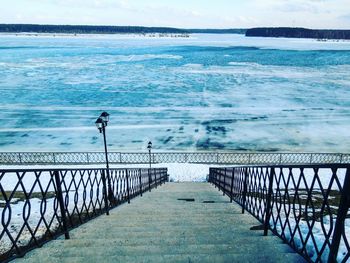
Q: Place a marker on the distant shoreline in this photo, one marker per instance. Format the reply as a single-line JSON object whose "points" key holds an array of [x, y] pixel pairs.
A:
{"points": [[138, 36], [81, 30], [86, 29], [135, 35], [289, 32]]}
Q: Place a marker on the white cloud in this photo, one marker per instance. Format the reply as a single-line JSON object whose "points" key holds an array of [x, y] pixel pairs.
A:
{"points": [[181, 13], [103, 4]]}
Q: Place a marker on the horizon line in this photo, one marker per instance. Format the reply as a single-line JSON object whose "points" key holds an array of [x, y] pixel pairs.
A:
{"points": [[170, 27]]}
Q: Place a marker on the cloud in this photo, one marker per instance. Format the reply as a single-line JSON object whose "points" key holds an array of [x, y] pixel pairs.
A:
{"points": [[300, 6], [295, 7], [181, 13], [345, 17], [101, 4]]}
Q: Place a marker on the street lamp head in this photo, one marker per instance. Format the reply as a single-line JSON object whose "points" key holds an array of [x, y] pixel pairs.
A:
{"points": [[105, 117], [99, 124], [149, 147]]}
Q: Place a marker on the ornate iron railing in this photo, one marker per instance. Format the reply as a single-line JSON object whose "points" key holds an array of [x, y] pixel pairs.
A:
{"points": [[171, 157], [38, 205], [307, 206]]}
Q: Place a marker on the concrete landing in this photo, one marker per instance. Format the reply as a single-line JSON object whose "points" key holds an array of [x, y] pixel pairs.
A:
{"points": [[159, 227]]}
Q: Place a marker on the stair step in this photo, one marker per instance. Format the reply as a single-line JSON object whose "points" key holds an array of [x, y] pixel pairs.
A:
{"points": [[160, 228], [169, 240], [163, 233], [200, 258], [115, 228], [166, 233], [111, 250], [185, 224]]}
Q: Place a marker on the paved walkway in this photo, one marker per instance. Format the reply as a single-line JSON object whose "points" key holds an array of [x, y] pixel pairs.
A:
{"points": [[160, 228]]}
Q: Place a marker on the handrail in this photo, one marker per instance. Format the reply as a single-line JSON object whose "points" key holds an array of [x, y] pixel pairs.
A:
{"points": [[305, 205], [238, 158], [38, 205]]}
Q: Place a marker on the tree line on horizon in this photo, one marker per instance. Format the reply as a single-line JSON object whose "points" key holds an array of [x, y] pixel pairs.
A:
{"points": [[86, 29], [290, 32]]}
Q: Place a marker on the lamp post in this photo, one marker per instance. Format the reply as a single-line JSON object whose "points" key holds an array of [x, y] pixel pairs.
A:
{"points": [[101, 124], [149, 147]]}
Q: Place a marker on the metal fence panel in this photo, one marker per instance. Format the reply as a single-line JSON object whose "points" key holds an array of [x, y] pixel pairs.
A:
{"points": [[38, 205], [308, 206], [171, 157]]}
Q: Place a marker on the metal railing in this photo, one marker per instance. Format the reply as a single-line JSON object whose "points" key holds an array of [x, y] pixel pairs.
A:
{"points": [[39, 205], [171, 157], [306, 205]]}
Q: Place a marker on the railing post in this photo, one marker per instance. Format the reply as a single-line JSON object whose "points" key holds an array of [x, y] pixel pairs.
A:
{"points": [[87, 158], [54, 158], [158, 180], [341, 216], [155, 178], [224, 183], [341, 158], [140, 177], [244, 189], [232, 180], [59, 196], [149, 179], [160, 177], [214, 181], [120, 157], [104, 191], [219, 181], [310, 158], [127, 184], [217, 178], [213, 178], [214, 175], [20, 158], [280, 161], [165, 176], [268, 201]]}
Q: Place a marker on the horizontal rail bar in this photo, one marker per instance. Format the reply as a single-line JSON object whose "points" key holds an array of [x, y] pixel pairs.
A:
{"points": [[239, 158], [286, 166]]}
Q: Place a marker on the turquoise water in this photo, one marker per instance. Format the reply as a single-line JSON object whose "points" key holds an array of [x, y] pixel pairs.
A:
{"points": [[208, 92]]}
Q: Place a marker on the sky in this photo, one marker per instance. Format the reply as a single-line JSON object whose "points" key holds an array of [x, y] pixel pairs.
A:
{"points": [[320, 14]]}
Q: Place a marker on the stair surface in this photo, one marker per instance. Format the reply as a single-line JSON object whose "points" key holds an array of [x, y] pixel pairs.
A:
{"points": [[160, 228]]}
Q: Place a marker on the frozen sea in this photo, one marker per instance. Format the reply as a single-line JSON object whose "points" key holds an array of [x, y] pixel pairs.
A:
{"points": [[206, 92]]}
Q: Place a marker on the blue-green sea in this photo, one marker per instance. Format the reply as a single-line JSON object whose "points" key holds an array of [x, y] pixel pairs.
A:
{"points": [[205, 92]]}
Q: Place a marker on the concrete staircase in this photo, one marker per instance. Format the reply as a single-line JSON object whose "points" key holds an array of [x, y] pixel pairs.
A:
{"points": [[160, 228]]}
